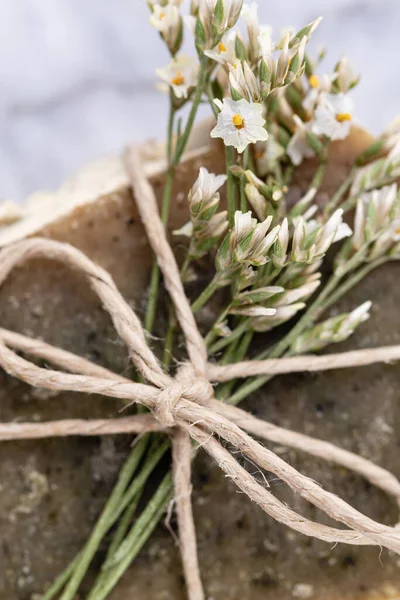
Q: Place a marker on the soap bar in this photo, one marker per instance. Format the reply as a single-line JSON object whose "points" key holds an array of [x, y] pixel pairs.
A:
{"points": [[53, 490]]}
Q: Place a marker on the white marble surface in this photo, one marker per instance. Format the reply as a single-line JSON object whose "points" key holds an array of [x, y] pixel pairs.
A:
{"points": [[77, 76]]}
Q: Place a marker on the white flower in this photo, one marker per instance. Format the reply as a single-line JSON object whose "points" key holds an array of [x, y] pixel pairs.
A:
{"points": [[286, 61], [267, 155], [250, 16], [205, 186], [335, 329], [279, 255], [312, 240], [248, 243], [213, 26], [167, 20], [318, 84], [358, 315], [252, 311], [343, 231], [255, 250], [181, 74], [333, 116], [257, 200], [283, 313], [164, 18], [300, 293], [224, 52], [239, 123], [232, 9], [298, 148], [244, 82], [333, 230], [265, 41], [346, 76], [391, 135], [377, 217]]}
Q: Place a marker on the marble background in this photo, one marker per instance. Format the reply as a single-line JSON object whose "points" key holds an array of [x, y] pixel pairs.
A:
{"points": [[77, 77]]}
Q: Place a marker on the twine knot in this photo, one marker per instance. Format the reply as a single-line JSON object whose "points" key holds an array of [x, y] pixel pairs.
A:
{"points": [[187, 384]]}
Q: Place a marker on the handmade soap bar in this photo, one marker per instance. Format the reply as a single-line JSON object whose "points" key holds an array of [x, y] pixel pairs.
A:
{"points": [[53, 490]]}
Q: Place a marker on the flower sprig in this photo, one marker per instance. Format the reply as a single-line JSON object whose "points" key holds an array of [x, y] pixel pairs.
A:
{"points": [[271, 252]]}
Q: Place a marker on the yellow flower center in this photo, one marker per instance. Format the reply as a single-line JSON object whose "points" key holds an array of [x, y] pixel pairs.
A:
{"points": [[161, 15], [341, 117], [238, 122], [259, 154], [313, 80], [178, 79], [221, 47]]}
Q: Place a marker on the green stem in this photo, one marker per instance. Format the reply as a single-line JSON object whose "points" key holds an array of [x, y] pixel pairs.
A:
{"points": [[172, 324], [123, 525], [204, 296], [172, 162], [61, 579], [223, 342], [103, 522], [235, 353], [201, 85], [166, 201], [340, 192], [243, 197], [210, 97], [230, 184], [135, 540]]}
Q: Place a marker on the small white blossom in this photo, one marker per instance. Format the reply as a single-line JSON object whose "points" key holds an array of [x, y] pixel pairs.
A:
{"points": [[213, 25], [257, 200], [284, 68], [300, 293], [244, 82], [264, 39], [248, 243], [298, 148], [391, 135], [282, 314], [167, 20], [250, 16], [355, 317], [181, 74], [346, 76], [165, 17], [377, 218], [312, 240], [335, 329], [317, 84], [252, 311], [239, 123], [224, 52], [333, 116], [267, 155], [206, 226], [205, 187], [279, 255], [343, 231]]}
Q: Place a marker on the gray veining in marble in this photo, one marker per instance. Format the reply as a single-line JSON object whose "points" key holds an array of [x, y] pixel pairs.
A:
{"points": [[77, 77]]}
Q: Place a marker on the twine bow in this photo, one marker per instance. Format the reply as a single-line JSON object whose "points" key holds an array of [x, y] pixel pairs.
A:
{"points": [[185, 406]]}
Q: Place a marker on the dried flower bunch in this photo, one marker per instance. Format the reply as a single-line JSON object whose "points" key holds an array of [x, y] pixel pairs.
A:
{"points": [[273, 109]]}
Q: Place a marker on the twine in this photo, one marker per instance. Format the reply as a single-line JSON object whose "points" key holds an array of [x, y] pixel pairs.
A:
{"points": [[184, 406]]}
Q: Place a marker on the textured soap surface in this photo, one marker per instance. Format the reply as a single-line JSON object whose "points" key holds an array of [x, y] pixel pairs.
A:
{"points": [[53, 490]]}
